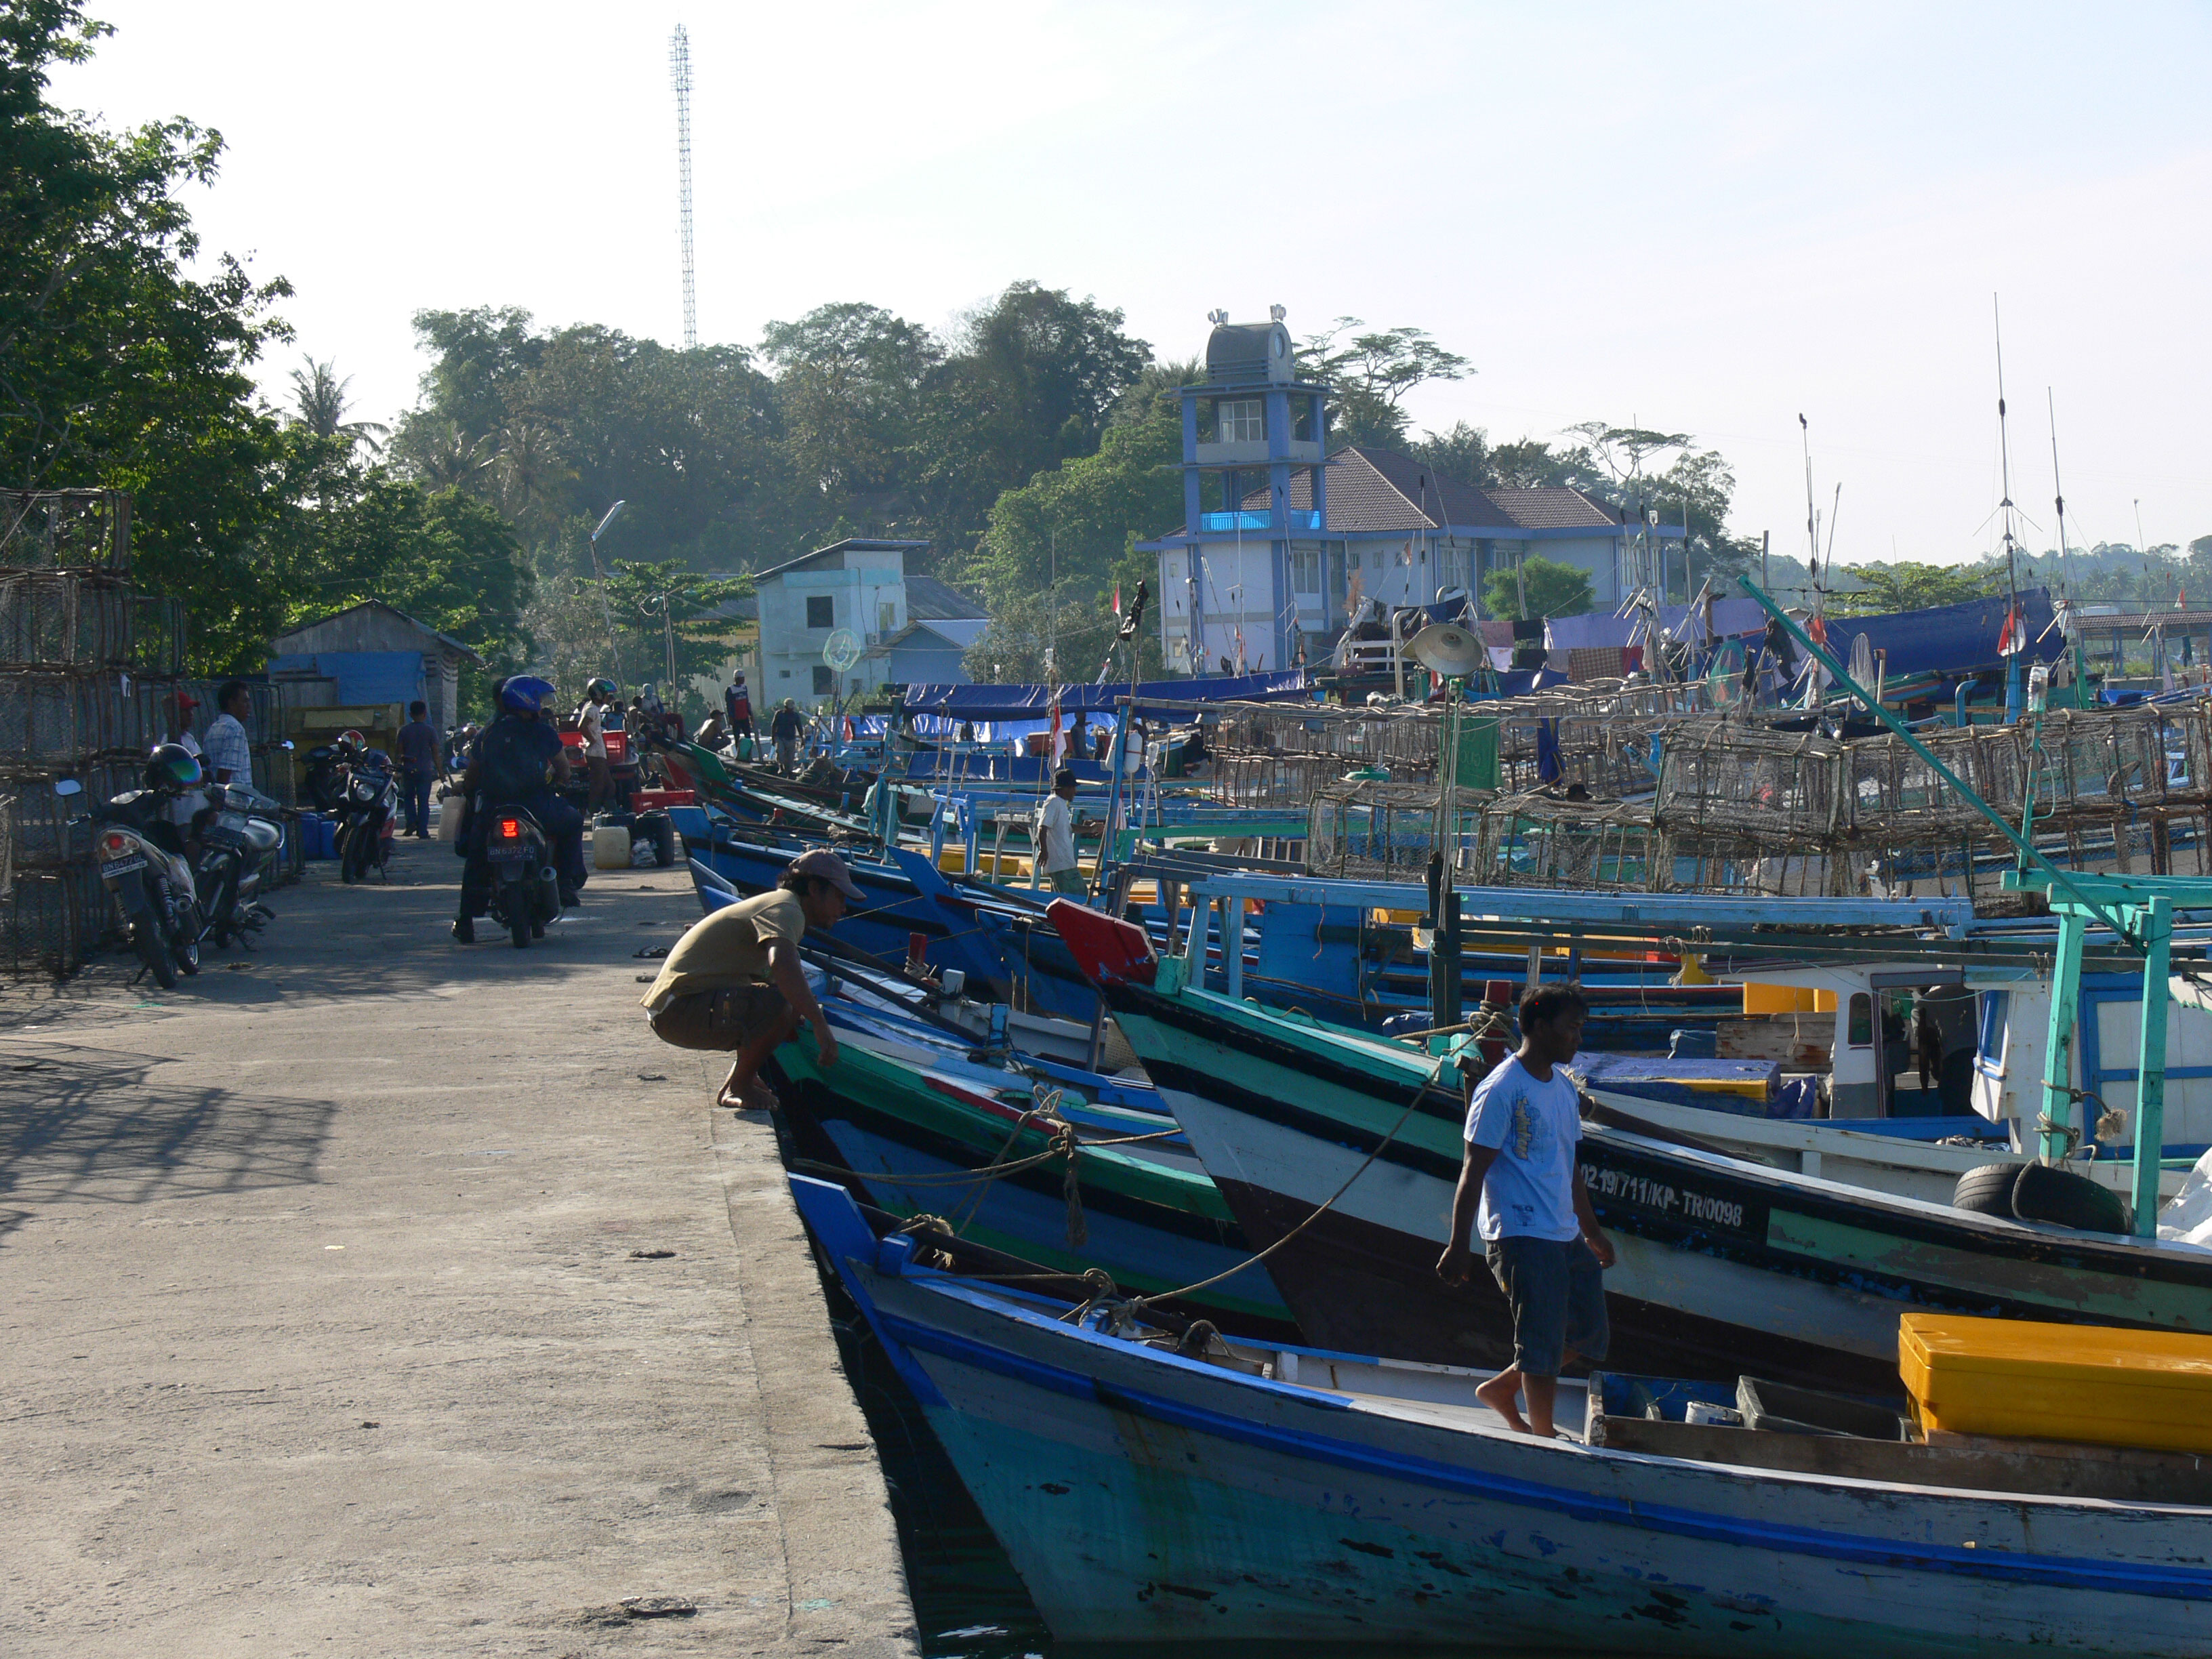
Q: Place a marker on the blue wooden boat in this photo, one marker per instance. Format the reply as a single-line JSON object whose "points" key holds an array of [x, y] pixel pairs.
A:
{"points": [[1149, 1487]]}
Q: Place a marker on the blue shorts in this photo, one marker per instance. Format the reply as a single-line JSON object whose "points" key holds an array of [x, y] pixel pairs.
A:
{"points": [[1557, 1292]]}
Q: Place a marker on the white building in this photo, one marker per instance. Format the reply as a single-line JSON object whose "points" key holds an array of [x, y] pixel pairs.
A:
{"points": [[858, 585]]}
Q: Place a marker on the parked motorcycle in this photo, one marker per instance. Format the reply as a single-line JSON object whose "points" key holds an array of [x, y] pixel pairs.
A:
{"points": [[525, 891], [237, 837], [326, 777], [142, 862], [368, 817]]}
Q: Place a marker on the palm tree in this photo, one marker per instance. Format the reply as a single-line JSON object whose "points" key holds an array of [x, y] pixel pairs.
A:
{"points": [[448, 458], [320, 404]]}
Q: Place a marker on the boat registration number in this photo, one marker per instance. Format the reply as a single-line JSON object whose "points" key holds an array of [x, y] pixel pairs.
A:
{"points": [[122, 867], [1676, 1203]]}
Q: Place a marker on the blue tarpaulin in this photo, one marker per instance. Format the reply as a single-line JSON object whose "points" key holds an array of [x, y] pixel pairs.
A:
{"points": [[980, 702], [1950, 639]]}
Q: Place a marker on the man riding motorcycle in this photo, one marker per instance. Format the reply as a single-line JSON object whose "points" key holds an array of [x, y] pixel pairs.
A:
{"points": [[509, 766]]}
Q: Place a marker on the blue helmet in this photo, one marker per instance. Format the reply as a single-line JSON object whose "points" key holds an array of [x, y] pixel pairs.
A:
{"points": [[525, 694]]}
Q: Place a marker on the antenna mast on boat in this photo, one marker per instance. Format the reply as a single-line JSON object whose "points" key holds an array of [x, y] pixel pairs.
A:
{"points": [[2004, 461], [2065, 575]]}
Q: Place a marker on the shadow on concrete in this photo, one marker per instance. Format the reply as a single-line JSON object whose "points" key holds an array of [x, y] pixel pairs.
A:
{"points": [[330, 940], [81, 1125]]}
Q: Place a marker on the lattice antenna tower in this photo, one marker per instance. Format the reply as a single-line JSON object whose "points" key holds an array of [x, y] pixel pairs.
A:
{"points": [[679, 76]]}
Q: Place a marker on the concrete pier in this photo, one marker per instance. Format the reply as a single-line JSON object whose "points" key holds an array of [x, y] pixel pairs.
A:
{"points": [[371, 1295]]}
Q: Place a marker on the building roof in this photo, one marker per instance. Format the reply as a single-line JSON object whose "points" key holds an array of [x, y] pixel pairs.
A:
{"points": [[1375, 491], [920, 635], [468, 651], [929, 599], [850, 544], [1549, 507]]}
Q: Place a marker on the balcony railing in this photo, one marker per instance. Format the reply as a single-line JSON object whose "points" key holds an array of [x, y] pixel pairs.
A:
{"points": [[1293, 519]]}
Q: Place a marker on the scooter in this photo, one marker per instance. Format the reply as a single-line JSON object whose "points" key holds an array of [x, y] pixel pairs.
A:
{"points": [[239, 833], [142, 863], [369, 814], [525, 892]]}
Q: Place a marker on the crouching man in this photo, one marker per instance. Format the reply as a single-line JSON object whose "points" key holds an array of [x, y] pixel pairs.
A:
{"points": [[1521, 1189], [734, 980]]}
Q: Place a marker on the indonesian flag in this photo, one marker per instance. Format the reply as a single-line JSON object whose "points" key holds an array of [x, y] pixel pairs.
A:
{"points": [[848, 729], [1117, 599], [2013, 639], [1816, 630], [2181, 598], [1058, 745]]}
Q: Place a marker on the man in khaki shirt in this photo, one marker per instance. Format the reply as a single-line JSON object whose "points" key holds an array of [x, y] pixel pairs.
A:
{"points": [[733, 981]]}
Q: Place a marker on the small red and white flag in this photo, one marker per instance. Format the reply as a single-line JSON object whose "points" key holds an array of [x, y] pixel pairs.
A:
{"points": [[1117, 599], [1057, 745], [2012, 640]]}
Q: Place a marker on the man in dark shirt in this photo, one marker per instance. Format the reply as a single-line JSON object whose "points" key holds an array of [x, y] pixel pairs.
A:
{"points": [[788, 727], [418, 768]]}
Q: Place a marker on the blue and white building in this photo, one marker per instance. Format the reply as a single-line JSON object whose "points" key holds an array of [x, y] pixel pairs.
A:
{"points": [[1281, 541]]}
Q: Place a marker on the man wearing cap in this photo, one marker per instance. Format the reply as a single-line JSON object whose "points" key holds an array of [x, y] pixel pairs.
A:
{"points": [[1055, 843], [734, 981]]}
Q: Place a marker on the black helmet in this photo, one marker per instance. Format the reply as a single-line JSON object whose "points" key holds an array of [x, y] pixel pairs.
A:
{"points": [[173, 767]]}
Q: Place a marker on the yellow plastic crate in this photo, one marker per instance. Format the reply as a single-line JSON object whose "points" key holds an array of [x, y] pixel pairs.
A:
{"points": [[2027, 1380]]}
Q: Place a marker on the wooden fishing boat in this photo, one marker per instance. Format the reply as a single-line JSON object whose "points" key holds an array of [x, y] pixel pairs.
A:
{"points": [[1725, 1266], [916, 1140], [1149, 1488]]}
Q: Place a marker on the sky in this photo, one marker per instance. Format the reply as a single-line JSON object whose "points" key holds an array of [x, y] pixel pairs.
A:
{"points": [[1708, 219]]}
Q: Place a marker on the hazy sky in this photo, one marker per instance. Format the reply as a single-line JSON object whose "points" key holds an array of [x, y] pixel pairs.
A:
{"points": [[1702, 218]]}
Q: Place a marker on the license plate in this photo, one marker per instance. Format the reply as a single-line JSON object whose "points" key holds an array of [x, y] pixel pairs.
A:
{"points": [[122, 867], [503, 860]]}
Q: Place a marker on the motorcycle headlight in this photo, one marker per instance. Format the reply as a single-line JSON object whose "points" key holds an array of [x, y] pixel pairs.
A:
{"points": [[362, 790]]}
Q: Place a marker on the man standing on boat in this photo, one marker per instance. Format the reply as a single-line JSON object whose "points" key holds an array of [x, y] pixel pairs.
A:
{"points": [[1055, 843], [1521, 1189]]}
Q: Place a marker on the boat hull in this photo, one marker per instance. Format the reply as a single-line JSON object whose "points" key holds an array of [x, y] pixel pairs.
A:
{"points": [[1145, 1497], [1725, 1267]]}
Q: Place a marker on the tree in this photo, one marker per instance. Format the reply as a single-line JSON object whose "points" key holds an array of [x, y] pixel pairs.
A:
{"points": [[1026, 386], [662, 607], [1886, 588], [1041, 635], [1371, 374], [319, 402], [119, 368], [1082, 519], [849, 379], [1553, 589]]}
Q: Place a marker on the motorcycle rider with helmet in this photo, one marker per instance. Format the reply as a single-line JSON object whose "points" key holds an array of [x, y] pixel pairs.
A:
{"points": [[507, 767]]}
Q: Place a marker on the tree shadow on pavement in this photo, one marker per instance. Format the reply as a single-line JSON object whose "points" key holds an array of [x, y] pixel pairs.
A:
{"points": [[82, 1125]]}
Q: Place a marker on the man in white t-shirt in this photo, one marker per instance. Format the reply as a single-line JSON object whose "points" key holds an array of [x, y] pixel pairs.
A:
{"points": [[592, 721], [1521, 1189], [1055, 844]]}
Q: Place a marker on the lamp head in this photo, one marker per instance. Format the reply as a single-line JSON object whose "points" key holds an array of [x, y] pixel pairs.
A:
{"points": [[1447, 648]]}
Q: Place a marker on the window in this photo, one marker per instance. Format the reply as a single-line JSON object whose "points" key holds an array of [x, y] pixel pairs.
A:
{"points": [[1305, 569], [1241, 421], [1858, 1031], [825, 679], [822, 610], [886, 618]]}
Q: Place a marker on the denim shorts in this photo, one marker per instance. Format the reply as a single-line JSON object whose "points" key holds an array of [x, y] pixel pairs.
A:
{"points": [[1557, 1292]]}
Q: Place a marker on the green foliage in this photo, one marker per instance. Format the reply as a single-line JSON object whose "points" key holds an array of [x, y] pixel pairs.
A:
{"points": [[1553, 589], [665, 606], [118, 367], [1027, 386], [1082, 519], [1372, 374], [1884, 588], [1030, 631]]}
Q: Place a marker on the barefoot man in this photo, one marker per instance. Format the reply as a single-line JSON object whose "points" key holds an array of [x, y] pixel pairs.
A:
{"points": [[733, 981], [1521, 1187]]}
